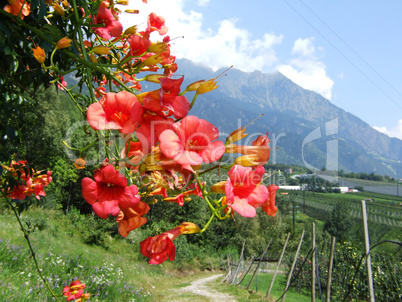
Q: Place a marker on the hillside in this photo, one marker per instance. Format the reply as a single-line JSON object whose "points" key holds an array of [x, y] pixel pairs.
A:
{"points": [[291, 114]]}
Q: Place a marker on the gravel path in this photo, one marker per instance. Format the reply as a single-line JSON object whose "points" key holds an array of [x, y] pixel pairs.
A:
{"points": [[200, 288]]}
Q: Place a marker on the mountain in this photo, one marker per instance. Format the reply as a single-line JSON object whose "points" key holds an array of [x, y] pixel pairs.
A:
{"points": [[301, 123]]}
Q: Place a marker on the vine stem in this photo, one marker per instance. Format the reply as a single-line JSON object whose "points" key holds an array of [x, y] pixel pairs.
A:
{"points": [[193, 101], [215, 212], [209, 169], [33, 254]]}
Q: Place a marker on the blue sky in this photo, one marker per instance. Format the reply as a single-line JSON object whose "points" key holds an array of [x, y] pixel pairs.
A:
{"points": [[348, 51]]}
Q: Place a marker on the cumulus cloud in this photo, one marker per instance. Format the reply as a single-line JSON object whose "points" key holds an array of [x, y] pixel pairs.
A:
{"points": [[224, 44], [306, 69], [392, 132], [304, 47], [202, 2], [219, 45]]}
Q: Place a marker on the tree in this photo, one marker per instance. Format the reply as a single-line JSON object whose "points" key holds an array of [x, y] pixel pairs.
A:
{"points": [[338, 223]]}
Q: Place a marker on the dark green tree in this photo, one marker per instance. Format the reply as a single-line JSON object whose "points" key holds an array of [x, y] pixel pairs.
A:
{"points": [[338, 223]]}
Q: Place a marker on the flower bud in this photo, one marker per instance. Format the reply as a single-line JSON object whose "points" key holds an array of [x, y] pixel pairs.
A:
{"points": [[39, 54], [66, 4], [236, 135], [219, 187], [194, 86], [131, 30], [207, 86], [58, 9], [63, 43], [157, 47], [154, 78], [189, 228], [80, 163], [101, 50], [93, 58], [132, 11], [152, 60]]}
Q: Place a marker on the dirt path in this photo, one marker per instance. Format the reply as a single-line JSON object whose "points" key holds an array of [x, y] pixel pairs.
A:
{"points": [[199, 287]]}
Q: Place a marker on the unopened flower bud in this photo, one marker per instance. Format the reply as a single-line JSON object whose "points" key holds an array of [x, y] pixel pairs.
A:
{"points": [[63, 43], [189, 228], [101, 50], [39, 54], [93, 58], [153, 60], [236, 135], [132, 11], [219, 187], [65, 4], [132, 30], [157, 47], [58, 9], [154, 78], [80, 163], [207, 86], [194, 86]]}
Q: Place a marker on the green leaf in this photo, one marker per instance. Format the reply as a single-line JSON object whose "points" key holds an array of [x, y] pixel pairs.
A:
{"points": [[10, 132], [53, 31], [16, 65], [42, 9], [4, 28], [34, 4]]}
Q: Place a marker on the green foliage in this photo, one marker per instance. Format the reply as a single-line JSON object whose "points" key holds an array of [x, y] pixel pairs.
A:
{"points": [[367, 176], [262, 282], [105, 278], [92, 229], [349, 274], [65, 189], [21, 75], [338, 223]]}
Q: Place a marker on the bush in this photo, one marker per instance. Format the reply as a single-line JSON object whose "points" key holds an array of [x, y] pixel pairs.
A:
{"points": [[92, 229]]}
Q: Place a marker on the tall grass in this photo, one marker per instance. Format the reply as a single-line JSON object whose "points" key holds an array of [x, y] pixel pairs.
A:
{"points": [[110, 275], [262, 281]]}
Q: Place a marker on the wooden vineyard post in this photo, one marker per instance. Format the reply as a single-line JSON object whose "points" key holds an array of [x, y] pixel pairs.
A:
{"points": [[229, 269], [259, 263], [251, 264], [368, 257], [277, 267], [293, 265], [331, 262], [313, 266], [238, 265]]}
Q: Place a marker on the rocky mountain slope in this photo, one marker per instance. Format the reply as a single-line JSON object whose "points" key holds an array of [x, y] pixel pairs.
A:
{"points": [[308, 129]]}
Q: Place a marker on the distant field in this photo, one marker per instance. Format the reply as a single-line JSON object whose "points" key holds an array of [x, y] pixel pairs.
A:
{"points": [[381, 208], [382, 187]]}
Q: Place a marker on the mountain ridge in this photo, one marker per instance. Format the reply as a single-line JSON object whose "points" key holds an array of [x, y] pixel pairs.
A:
{"points": [[295, 112]]}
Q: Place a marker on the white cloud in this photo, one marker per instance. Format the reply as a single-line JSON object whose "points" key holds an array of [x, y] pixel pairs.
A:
{"points": [[392, 132], [224, 44], [307, 70], [304, 47], [220, 45], [202, 2]]}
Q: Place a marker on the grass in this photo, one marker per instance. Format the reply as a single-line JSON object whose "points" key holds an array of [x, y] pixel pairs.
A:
{"points": [[110, 275], [115, 273], [262, 281]]}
